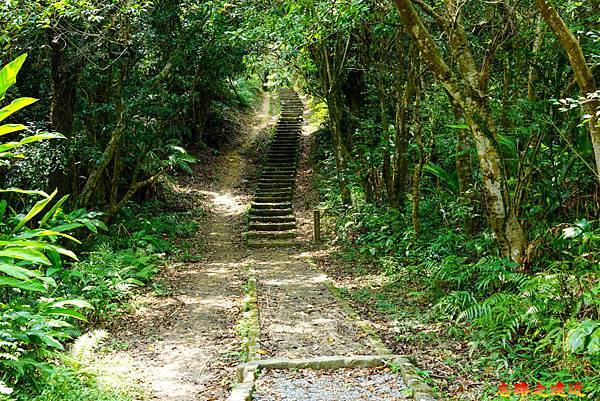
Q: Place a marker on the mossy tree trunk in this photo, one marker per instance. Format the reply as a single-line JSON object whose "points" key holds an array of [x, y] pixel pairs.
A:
{"points": [[469, 93], [583, 73]]}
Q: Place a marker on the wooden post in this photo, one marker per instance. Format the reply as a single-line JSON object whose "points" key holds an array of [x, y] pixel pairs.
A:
{"points": [[317, 225]]}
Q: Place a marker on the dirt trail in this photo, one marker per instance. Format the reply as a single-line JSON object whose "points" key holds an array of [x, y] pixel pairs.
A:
{"points": [[184, 347], [298, 315]]}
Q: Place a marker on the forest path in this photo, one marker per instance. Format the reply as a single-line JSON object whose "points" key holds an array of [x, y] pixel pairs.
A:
{"points": [[184, 347]]}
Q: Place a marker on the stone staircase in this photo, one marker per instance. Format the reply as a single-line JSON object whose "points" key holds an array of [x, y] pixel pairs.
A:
{"points": [[272, 222]]}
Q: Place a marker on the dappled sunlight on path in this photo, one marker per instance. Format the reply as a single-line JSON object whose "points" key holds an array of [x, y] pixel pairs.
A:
{"points": [[185, 346]]}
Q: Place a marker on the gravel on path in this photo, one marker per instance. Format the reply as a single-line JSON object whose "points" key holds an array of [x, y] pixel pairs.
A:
{"points": [[377, 384]]}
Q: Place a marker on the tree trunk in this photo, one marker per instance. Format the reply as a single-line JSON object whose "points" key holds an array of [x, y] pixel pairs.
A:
{"points": [[109, 152], [388, 177], [583, 74], [501, 218], [422, 160], [340, 151], [532, 75], [65, 74], [464, 171], [404, 94], [330, 66]]}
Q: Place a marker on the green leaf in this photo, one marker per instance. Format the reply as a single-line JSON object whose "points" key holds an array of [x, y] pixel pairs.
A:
{"points": [[457, 126], [15, 106], [17, 271], [10, 128], [33, 138], [67, 227], [39, 245], [26, 254], [54, 210], [579, 335], [8, 74], [26, 192], [50, 341], [65, 312], [442, 175], [38, 207], [80, 303], [594, 344], [28, 285], [46, 233], [3, 205]]}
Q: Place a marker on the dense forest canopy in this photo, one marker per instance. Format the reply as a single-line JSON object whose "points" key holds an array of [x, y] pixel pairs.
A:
{"points": [[460, 142]]}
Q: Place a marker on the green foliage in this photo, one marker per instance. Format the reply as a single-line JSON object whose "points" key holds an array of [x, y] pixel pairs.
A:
{"points": [[107, 278], [32, 323], [541, 319]]}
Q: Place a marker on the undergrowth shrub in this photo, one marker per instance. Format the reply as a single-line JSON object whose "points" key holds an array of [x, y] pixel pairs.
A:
{"points": [[539, 318]]}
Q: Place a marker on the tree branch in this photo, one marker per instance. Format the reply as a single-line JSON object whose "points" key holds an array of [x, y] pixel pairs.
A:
{"points": [[427, 9]]}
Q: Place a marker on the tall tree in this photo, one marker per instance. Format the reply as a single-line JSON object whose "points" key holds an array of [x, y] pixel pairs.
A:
{"points": [[470, 92], [583, 73]]}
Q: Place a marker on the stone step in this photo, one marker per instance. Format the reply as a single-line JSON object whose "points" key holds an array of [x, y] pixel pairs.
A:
{"points": [[283, 148], [276, 181], [272, 205], [285, 169], [264, 199], [271, 212], [254, 226], [262, 192], [270, 172], [288, 129], [287, 149], [272, 223], [272, 219], [285, 143], [286, 135], [289, 160], [287, 157], [281, 162], [281, 169], [275, 185], [275, 176], [293, 143], [278, 175], [271, 234], [289, 154]]}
